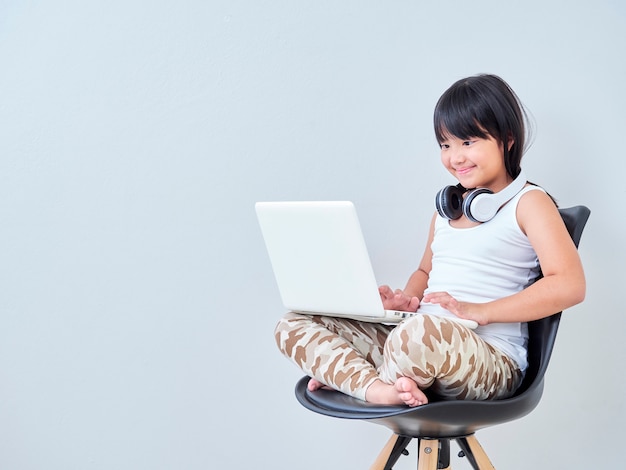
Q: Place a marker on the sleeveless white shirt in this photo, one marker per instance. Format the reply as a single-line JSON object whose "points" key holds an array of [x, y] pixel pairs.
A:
{"points": [[484, 263]]}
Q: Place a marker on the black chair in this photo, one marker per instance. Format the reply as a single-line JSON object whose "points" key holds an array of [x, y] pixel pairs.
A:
{"points": [[436, 423]]}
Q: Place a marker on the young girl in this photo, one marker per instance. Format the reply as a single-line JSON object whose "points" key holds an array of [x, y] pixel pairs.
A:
{"points": [[471, 268]]}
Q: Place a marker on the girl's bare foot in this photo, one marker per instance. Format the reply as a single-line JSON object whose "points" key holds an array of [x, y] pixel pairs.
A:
{"points": [[404, 392], [409, 392], [315, 384]]}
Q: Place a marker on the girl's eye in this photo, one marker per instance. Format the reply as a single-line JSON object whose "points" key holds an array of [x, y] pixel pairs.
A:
{"points": [[444, 146], [467, 142]]}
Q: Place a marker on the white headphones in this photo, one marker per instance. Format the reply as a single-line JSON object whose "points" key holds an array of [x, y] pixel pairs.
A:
{"points": [[480, 204]]}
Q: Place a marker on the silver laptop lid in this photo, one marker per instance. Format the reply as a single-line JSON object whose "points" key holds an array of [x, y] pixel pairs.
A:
{"points": [[319, 257]]}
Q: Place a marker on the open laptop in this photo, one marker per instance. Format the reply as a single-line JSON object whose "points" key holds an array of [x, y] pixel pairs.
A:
{"points": [[320, 261]]}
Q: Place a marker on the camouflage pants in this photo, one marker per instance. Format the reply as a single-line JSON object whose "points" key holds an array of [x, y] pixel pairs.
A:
{"points": [[439, 354]]}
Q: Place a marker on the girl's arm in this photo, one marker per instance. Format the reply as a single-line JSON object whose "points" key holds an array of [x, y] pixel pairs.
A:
{"points": [[563, 282]]}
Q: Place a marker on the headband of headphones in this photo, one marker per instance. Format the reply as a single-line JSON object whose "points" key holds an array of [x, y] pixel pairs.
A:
{"points": [[480, 204]]}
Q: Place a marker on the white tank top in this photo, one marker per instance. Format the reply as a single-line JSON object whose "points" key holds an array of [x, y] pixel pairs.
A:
{"points": [[484, 263]]}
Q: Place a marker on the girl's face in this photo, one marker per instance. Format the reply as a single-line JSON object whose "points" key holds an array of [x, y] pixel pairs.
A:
{"points": [[476, 162]]}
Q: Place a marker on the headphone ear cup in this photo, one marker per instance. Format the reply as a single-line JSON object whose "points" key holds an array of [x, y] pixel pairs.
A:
{"points": [[478, 207], [449, 202]]}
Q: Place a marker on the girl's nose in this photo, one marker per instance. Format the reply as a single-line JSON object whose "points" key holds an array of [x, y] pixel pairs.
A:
{"points": [[457, 156]]}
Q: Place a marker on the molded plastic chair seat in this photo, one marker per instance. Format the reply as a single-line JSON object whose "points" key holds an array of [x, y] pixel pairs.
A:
{"points": [[451, 418], [441, 420]]}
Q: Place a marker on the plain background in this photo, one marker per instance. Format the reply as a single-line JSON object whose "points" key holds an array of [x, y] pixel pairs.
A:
{"points": [[137, 303]]}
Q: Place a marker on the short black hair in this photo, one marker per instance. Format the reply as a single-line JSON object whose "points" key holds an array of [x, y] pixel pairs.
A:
{"points": [[481, 106]]}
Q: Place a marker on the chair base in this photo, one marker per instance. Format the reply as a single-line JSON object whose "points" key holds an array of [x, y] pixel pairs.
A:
{"points": [[434, 454]]}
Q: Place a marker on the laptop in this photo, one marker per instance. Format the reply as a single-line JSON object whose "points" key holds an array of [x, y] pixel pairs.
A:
{"points": [[320, 261]]}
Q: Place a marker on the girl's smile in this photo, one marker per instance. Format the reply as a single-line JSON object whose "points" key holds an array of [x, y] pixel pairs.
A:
{"points": [[463, 170]]}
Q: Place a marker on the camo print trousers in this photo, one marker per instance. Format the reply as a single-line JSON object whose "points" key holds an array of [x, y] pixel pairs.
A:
{"points": [[441, 355]]}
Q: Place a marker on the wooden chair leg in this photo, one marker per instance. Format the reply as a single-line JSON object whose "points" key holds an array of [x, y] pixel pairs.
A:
{"points": [[392, 451], [385, 453], [475, 453], [428, 457]]}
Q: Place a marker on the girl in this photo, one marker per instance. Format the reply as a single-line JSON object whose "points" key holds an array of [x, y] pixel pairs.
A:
{"points": [[472, 268]]}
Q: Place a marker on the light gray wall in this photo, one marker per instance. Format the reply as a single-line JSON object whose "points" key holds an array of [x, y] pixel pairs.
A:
{"points": [[137, 302]]}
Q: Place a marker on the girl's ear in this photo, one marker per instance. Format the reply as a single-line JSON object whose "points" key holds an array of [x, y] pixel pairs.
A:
{"points": [[510, 142]]}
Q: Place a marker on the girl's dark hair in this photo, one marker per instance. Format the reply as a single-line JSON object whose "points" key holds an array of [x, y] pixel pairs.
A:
{"points": [[482, 106]]}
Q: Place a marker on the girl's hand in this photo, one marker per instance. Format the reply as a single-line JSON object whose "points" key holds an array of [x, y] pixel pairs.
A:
{"points": [[466, 310], [397, 300]]}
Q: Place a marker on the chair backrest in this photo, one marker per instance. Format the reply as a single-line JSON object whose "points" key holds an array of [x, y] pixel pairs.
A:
{"points": [[542, 333]]}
